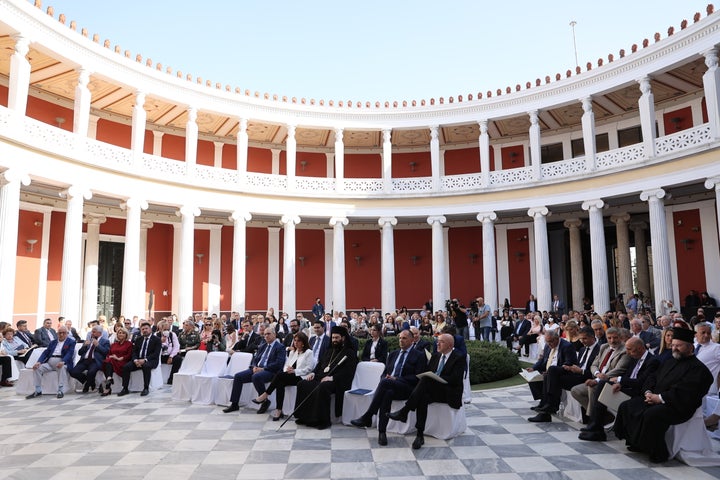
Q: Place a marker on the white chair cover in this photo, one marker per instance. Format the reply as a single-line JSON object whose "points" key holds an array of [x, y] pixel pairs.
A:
{"points": [[203, 385], [182, 381], [367, 377], [223, 387]]}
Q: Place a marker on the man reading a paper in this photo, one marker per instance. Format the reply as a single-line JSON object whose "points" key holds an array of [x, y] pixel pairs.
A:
{"points": [[442, 383]]}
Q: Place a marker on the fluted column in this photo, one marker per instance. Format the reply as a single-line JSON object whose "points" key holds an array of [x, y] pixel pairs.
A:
{"points": [[239, 262], [588, 129], [191, 138], [646, 105], [187, 214], [435, 158], [288, 222], [19, 81], [601, 290], [438, 260], [662, 278], [139, 119], [72, 252], [291, 157], [339, 161], [90, 277], [641, 257], [577, 276], [10, 182], [714, 182], [338, 224], [711, 85], [387, 160], [131, 304], [145, 225], [625, 281], [387, 263], [542, 257], [273, 299], [535, 155], [484, 153], [81, 109], [490, 288], [242, 159]]}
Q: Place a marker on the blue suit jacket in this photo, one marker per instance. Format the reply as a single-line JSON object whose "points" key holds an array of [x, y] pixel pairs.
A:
{"points": [[67, 352], [566, 355], [415, 363], [276, 356], [100, 352]]}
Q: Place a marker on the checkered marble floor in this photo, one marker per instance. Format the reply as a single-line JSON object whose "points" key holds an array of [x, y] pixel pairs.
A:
{"points": [[86, 437]]}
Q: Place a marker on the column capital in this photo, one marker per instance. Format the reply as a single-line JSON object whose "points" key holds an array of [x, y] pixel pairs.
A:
{"points": [[439, 219], [713, 182], [13, 175], [572, 223], [655, 194], [134, 202], [596, 204], [586, 104], [538, 212], [287, 219], [192, 114], [94, 219], [711, 58], [188, 211], [645, 86], [620, 218], [240, 216], [387, 221], [338, 221], [489, 217], [76, 191], [146, 224]]}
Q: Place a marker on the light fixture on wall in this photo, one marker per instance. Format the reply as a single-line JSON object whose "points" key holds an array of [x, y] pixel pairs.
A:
{"points": [[59, 121], [412, 166], [357, 259], [199, 257], [473, 257], [31, 244], [303, 164], [414, 259], [302, 261]]}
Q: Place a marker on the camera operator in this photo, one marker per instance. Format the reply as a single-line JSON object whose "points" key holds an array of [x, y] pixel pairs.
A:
{"points": [[459, 314]]}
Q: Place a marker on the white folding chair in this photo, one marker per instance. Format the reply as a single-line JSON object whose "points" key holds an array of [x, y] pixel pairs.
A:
{"points": [[182, 381], [203, 384], [25, 384], [367, 377], [223, 387]]}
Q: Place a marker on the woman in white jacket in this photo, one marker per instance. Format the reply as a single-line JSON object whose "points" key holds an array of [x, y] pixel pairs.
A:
{"points": [[298, 365]]}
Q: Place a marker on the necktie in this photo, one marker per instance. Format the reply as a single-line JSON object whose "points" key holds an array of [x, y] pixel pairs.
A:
{"points": [[399, 364], [143, 350], [605, 360], [441, 365], [263, 360], [551, 358], [697, 348]]}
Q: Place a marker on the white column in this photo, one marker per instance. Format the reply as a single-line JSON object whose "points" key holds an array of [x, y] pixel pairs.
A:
{"points": [[329, 255], [90, 277], [191, 138], [338, 224], [490, 287], [588, 129], [387, 263], [10, 181], [157, 143], [625, 283], [131, 304], [288, 222], [44, 252], [81, 109], [601, 291], [577, 276], [217, 154], [662, 278], [139, 119], [273, 299], [641, 257], [438, 260], [215, 257], [646, 104], [239, 262], [242, 159], [339, 161], [291, 158], [711, 85], [714, 182], [387, 160], [484, 153], [186, 263], [542, 257], [535, 156], [19, 81], [142, 272], [72, 252], [435, 157]]}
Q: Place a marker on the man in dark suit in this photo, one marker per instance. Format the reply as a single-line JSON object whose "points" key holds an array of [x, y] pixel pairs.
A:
{"points": [[59, 354], [319, 343], [449, 365], [672, 395], [399, 379], [45, 334], [145, 357], [522, 327], [268, 361], [557, 352], [249, 341], [642, 365], [92, 354]]}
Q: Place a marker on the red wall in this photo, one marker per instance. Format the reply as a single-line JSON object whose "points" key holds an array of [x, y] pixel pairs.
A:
{"points": [[362, 282], [683, 119], [114, 133], [466, 273], [466, 160], [519, 266], [310, 278], [259, 160], [316, 165], [413, 283], [47, 112], [257, 262], [158, 276], [508, 161], [205, 153], [173, 147], [201, 271], [401, 165], [689, 250], [363, 165]]}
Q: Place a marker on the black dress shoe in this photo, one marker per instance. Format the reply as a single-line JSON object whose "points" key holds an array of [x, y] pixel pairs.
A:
{"points": [[382, 439], [33, 395], [231, 408], [263, 407], [122, 392], [418, 442], [361, 422], [593, 436], [540, 418], [399, 416], [144, 393]]}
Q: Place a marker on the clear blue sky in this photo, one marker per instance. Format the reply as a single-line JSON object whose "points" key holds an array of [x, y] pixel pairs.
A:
{"points": [[375, 49]]}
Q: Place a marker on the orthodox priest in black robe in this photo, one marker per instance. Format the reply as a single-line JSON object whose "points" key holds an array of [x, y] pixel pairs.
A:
{"points": [[333, 374], [671, 397]]}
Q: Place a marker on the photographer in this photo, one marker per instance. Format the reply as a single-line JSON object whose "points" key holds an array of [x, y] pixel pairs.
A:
{"points": [[459, 314]]}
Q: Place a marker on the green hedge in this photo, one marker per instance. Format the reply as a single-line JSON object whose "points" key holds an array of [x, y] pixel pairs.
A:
{"points": [[489, 362]]}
